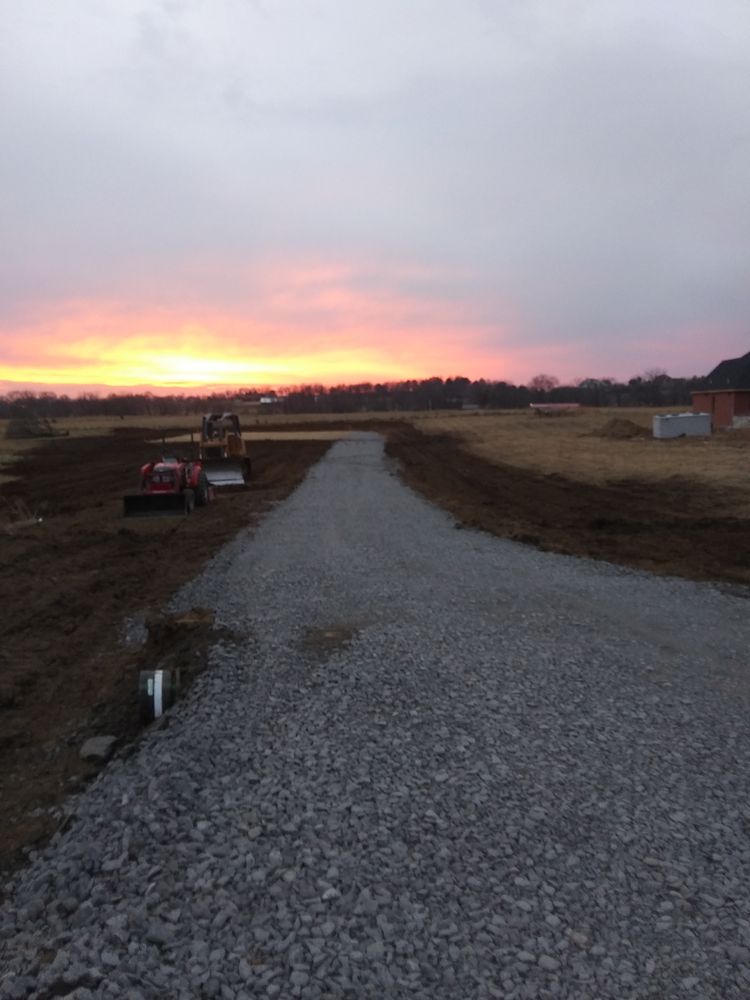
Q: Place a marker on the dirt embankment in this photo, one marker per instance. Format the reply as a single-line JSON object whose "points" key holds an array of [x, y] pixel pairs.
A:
{"points": [[68, 585], [669, 527]]}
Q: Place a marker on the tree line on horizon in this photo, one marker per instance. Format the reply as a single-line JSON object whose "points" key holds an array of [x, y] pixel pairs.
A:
{"points": [[652, 388]]}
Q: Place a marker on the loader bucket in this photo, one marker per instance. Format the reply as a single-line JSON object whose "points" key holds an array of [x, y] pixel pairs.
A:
{"points": [[225, 473], [158, 504]]}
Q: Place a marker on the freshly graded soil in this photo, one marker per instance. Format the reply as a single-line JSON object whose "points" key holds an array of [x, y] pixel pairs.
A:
{"points": [[670, 527], [69, 584]]}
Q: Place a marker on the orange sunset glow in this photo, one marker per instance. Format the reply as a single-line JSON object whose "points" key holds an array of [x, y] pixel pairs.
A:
{"points": [[135, 361], [308, 328]]}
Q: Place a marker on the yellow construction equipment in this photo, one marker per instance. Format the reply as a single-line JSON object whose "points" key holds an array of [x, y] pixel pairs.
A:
{"points": [[222, 451]]}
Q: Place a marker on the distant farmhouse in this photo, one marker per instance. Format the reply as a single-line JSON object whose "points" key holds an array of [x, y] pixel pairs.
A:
{"points": [[271, 404], [726, 395]]}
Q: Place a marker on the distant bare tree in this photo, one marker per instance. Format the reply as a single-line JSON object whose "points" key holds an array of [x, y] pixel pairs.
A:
{"points": [[544, 383], [652, 374]]}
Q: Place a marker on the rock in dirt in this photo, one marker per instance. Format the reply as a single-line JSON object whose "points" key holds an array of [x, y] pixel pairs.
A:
{"points": [[98, 748]]}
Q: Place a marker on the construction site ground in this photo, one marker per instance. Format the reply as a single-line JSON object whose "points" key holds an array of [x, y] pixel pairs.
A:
{"points": [[71, 583], [674, 525], [68, 588]]}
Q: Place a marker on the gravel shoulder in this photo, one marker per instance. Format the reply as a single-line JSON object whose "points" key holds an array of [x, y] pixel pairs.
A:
{"points": [[429, 763]]}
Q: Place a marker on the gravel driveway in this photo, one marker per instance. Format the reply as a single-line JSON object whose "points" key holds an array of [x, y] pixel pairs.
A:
{"points": [[430, 764]]}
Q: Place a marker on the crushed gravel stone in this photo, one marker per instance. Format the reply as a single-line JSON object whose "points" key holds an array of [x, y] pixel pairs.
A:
{"points": [[425, 763]]}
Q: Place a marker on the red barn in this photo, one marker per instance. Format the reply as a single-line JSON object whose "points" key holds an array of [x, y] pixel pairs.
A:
{"points": [[727, 394]]}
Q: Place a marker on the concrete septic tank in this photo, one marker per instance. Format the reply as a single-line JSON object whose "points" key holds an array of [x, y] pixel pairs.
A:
{"points": [[677, 425]]}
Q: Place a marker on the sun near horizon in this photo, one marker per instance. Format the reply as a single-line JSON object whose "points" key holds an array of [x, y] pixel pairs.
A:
{"points": [[88, 345], [305, 326]]}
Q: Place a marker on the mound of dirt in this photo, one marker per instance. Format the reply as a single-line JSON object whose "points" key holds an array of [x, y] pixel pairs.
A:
{"points": [[621, 429]]}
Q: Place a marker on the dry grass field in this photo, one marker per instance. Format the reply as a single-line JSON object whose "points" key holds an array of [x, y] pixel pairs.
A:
{"points": [[591, 445]]}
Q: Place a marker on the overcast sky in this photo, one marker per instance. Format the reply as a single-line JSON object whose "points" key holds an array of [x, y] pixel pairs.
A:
{"points": [[316, 189]]}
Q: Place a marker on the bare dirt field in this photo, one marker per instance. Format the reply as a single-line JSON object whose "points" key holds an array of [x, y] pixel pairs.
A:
{"points": [[586, 485], [600, 446], [68, 585]]}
